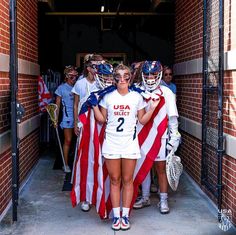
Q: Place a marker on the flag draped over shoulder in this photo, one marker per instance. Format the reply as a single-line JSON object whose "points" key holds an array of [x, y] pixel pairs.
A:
{"points": [[44, 95], [90, 179]]}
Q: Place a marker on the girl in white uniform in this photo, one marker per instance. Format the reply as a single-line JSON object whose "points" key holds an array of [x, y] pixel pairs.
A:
{"points": [[121, 109], [151, 76]]}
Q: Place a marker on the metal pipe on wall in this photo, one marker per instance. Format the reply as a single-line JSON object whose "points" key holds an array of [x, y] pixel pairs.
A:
{"points": [[204, 86], [220, 150], [14, 87]]}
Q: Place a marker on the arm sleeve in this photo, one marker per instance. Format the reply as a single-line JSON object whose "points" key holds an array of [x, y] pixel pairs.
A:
{"points": [[103, 102], [141, 103], [175, 137], [170, 101], [58, 91], [76, 89], [173, 124]]}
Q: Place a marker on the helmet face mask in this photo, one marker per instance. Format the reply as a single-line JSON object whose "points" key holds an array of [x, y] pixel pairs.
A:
{"points": [[105, 80], [104, 75], [151, 74]]}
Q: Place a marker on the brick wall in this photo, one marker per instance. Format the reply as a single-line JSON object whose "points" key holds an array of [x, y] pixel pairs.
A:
{"points": [[188, 46], [189, 104], [4, 102], [28, 157], [230, 103], [4, 27], [27, 35], [28, 95], [188, 30]]}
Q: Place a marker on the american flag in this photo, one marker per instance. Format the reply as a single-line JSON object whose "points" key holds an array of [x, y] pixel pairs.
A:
{"points": [[44, 95], [90, 179]]}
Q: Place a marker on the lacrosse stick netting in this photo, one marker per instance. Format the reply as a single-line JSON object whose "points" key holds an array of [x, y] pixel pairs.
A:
{"points": [[174, 169], [52, 112]]}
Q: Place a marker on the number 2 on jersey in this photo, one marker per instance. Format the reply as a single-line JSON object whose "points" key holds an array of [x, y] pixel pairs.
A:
{"points": [[121, 120]]}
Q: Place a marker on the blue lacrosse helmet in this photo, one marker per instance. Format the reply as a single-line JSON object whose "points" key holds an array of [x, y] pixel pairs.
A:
{"points": [[104, 75], [151, 74]]}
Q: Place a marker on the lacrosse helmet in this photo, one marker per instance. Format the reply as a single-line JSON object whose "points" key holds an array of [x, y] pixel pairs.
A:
{"points": [[151, 74], [104, 75]]}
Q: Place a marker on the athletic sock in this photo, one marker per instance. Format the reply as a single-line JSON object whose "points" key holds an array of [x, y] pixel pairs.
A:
{"points": [[116, 212], [163, 196], [125, 211]]}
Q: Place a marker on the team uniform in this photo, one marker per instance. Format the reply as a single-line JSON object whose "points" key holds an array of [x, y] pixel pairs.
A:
{"points": [[67, 98], [151, 78], [120, 135], [171, 111], [83, 87]]}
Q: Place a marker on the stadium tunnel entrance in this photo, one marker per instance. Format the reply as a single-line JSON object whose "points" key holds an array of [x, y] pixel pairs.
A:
{"points": [[127, 31]]}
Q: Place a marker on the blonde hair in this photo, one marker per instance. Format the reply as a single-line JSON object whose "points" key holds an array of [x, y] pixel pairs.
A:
{"points": [[121, 67]]}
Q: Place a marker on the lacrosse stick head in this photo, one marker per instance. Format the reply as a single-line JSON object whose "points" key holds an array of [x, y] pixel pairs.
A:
{"points": [[174, 169], [51, 109]]}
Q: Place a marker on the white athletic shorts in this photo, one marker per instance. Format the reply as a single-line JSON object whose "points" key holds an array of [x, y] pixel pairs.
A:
{"points": [[116, 147], [162, 152]]}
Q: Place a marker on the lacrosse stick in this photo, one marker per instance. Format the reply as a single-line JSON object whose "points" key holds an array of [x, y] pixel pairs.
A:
{"points": [[75, 156], [51, 109], [174, 169]]}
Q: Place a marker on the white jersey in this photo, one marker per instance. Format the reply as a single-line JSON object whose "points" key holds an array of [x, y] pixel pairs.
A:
{"points": [[122, 112], [120, 130], [170, 109], [83, 87], [170, 99]]}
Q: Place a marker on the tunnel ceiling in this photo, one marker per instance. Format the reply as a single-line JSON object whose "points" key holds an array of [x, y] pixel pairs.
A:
{"points": [[57, 18], [162, 6], [142, 15]]}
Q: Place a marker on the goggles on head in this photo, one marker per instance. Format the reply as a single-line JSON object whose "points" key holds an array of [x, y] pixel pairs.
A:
{"points": [[70, 72], [118, 77]]}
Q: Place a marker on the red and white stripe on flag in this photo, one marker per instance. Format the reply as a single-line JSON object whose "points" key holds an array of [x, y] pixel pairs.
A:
{"points": [[150, 136], [44, 95], [88, 181], [91, 181]]}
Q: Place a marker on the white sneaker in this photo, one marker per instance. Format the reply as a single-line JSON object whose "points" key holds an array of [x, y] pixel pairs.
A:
{"points": [[125, 224], [116, 223], [85, 206], [163, 207], [142, 202], [66, 169]]}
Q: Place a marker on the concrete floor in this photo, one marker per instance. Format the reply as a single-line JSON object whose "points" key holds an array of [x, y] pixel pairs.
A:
{"points": [[46, 210]]}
